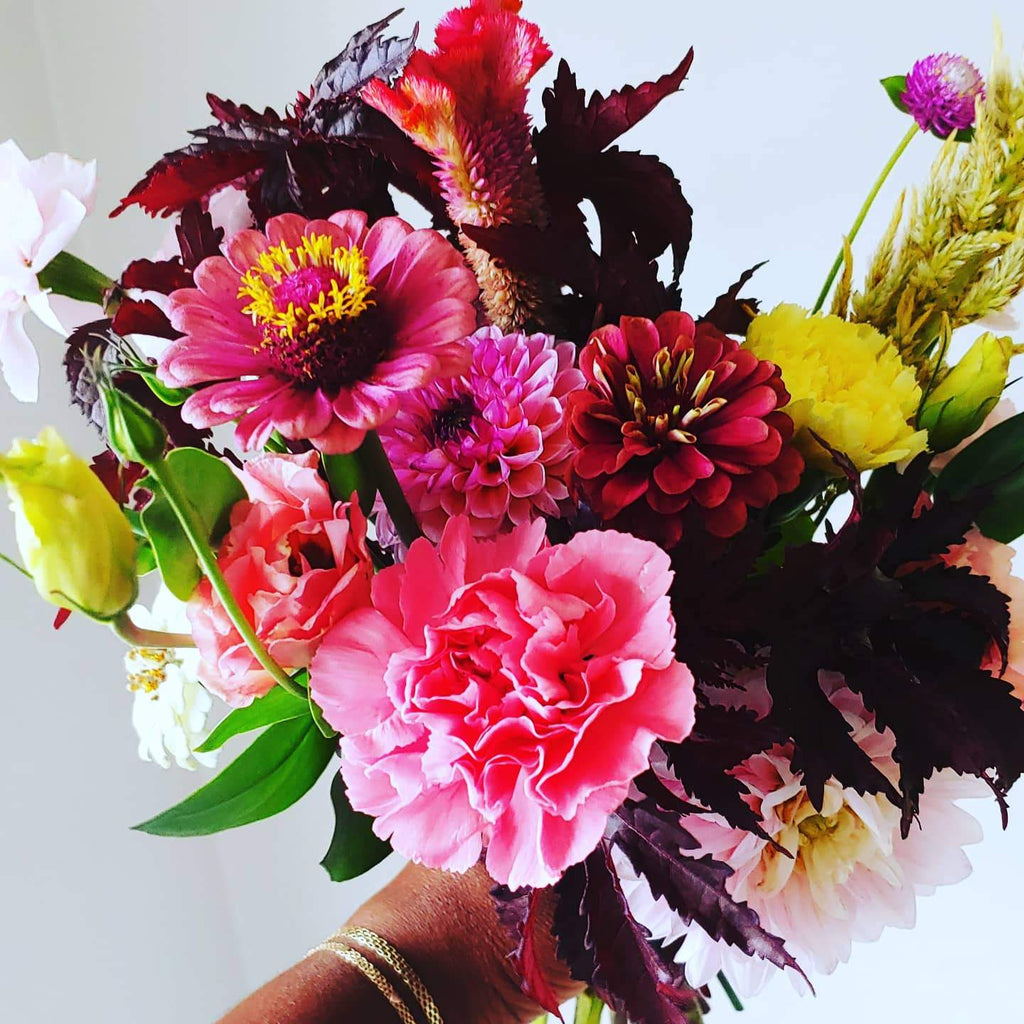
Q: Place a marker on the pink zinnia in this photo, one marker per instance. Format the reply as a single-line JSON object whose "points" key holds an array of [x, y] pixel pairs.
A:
{"points": [[296, 561], [849, 874], [492, 444], [503, 693], [941, 93], [316, 328]]}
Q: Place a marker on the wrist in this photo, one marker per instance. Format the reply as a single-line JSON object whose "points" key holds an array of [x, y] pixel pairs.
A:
{"points": [[446, 926]]}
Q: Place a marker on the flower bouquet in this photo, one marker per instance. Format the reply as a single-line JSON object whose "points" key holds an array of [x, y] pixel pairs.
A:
{"points": [[705, 623]]}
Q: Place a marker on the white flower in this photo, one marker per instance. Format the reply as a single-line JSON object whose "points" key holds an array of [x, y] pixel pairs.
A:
{"points": [[850, 875], [171, 705], [42, 204]]}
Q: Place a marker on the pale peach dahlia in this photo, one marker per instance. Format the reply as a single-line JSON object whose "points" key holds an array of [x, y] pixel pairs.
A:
{"points": [[493, 443], [315, 328], [848, 875]]}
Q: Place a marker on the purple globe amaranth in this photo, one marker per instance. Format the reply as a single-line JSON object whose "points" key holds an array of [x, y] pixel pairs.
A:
{"points": [[941, 93]]}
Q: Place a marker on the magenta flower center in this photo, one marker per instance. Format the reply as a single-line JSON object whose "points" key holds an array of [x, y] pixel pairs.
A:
{"points": [[453, 419], [314, 307]]}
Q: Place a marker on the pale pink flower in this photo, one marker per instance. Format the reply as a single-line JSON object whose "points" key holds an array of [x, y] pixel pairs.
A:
{"points": [[503, 693], [995, 560], [492, 444], [42, 204], [295, 560], [851, 874], [316, 328]]}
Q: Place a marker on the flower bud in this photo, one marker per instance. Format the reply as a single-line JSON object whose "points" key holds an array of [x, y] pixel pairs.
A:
{"points": [[959, 403], [133, 432], [74, 539]]}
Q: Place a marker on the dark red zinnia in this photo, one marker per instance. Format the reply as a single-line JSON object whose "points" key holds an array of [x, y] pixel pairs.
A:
{"points": [[677, 422]]}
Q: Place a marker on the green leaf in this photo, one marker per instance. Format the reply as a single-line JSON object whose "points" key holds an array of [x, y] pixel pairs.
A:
{"points": [[964, 135], [269, 776], [68, 275], [145, 560], [277, 706], [354, 848], [318, 717], [213, 489], [790, 533], [895, 86], [169, 396], [993, 463]]}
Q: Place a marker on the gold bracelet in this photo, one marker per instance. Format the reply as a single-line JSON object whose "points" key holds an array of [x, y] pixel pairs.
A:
{"points": [[383, 949], [368, 970]]}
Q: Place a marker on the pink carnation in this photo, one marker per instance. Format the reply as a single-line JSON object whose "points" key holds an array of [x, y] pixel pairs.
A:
{"points": [[316, 328], [990, 558], [296, 561], [492, 444], [850, 874], [504, 693]]}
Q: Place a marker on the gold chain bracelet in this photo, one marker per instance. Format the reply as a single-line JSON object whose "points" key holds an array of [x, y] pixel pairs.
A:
{"points": [[342, 945], [373, 942], [369, 971]]}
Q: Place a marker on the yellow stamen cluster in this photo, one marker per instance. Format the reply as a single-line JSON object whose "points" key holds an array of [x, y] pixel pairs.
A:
{"points": [[347, 297], [151, 669], [671, 373]]}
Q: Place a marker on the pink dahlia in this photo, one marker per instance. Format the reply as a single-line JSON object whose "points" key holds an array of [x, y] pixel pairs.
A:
{"points": [[503, 693], [315, 328], [941, 93], [995, 560], [848, 875], [295, 560], [492, 444], [678, 421]]}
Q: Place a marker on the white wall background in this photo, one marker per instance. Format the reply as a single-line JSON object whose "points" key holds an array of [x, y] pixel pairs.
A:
{"points": [[779, 132]]}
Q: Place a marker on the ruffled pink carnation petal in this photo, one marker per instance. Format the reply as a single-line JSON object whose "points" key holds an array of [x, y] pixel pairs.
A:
{"points": [[296, 561], [492, 443], [335, 319], [503, 694]]}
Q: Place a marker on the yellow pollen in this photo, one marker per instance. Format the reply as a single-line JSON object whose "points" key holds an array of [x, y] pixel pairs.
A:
{"points": [[151, 673], [347, 297]]}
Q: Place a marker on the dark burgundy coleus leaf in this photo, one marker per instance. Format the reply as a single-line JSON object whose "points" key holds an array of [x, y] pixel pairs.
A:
{"points": [[332, 107], [695, 888], [589, 126], [97, 343], [142, 316], [606, 948], [721, 739], [330, 152], [197, 238], [518, 913], [730, 313], [158, 276]]}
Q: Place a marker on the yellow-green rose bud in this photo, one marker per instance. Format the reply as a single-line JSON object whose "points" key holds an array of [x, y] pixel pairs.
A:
{"points": [[73, 537], [965, 395]]}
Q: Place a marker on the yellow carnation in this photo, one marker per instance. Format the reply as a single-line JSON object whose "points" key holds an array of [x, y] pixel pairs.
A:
{"points": [[847, 384]]}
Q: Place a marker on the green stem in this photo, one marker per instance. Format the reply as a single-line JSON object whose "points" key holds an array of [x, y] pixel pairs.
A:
{"points": [[378, 469], [876, 188], [588, 1009], [208, 563], [730, 992], [136, 636], [14, 565]]}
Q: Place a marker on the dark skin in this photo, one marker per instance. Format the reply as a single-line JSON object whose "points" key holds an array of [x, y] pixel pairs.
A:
{"points": [[446, 927]]}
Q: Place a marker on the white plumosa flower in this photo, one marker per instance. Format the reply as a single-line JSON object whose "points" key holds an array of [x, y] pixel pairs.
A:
{"points": [[171, 706]]}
